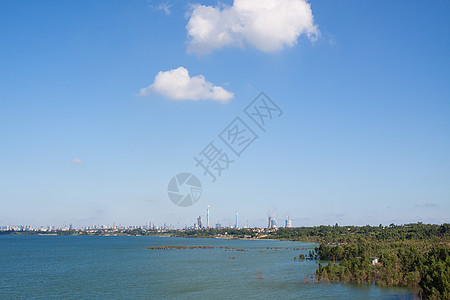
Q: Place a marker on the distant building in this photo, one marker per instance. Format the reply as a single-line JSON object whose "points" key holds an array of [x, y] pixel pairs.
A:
{"points": [[237, 223], [288, 223], [218, 226], [199, 222], [272, 223]]}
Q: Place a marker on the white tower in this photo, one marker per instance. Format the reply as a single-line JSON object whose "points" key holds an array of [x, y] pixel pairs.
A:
{"points": [[288, 223], [207, 216]]}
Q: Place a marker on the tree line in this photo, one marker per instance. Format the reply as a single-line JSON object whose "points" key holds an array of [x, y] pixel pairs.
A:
{"points": [[411, 255]]}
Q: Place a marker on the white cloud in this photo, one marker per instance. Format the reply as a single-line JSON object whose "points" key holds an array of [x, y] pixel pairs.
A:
{"points": [[163, 6], [178, 85], [427, 205], [77, 161], [268, 25]]}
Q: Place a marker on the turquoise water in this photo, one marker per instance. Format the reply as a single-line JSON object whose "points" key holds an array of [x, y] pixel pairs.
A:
{"points": [[75, 267]]}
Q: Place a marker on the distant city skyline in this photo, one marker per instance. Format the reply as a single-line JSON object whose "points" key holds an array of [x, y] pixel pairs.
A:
{"points": [[100, 109], [196, 224]]}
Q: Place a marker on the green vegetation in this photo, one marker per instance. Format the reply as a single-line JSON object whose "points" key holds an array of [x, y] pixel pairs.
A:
{"points": [[408, 266], [352, 234], [413, 255]]}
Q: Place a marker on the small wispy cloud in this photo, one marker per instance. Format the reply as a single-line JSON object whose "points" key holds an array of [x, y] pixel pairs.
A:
{"points": [[77, 161], [427, 205], [162, 6], [165, 7], [177, 84], [335, 216]]}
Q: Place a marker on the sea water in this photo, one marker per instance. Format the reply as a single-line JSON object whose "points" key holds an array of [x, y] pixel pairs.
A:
{"points": [[89, 267]]}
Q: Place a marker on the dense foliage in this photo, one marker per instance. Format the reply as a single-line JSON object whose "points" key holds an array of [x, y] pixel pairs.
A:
{"points": [[414, 255], [351, 234]]}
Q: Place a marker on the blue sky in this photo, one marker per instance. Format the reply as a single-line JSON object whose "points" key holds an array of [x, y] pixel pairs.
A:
{"points": [[364, 87]]}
